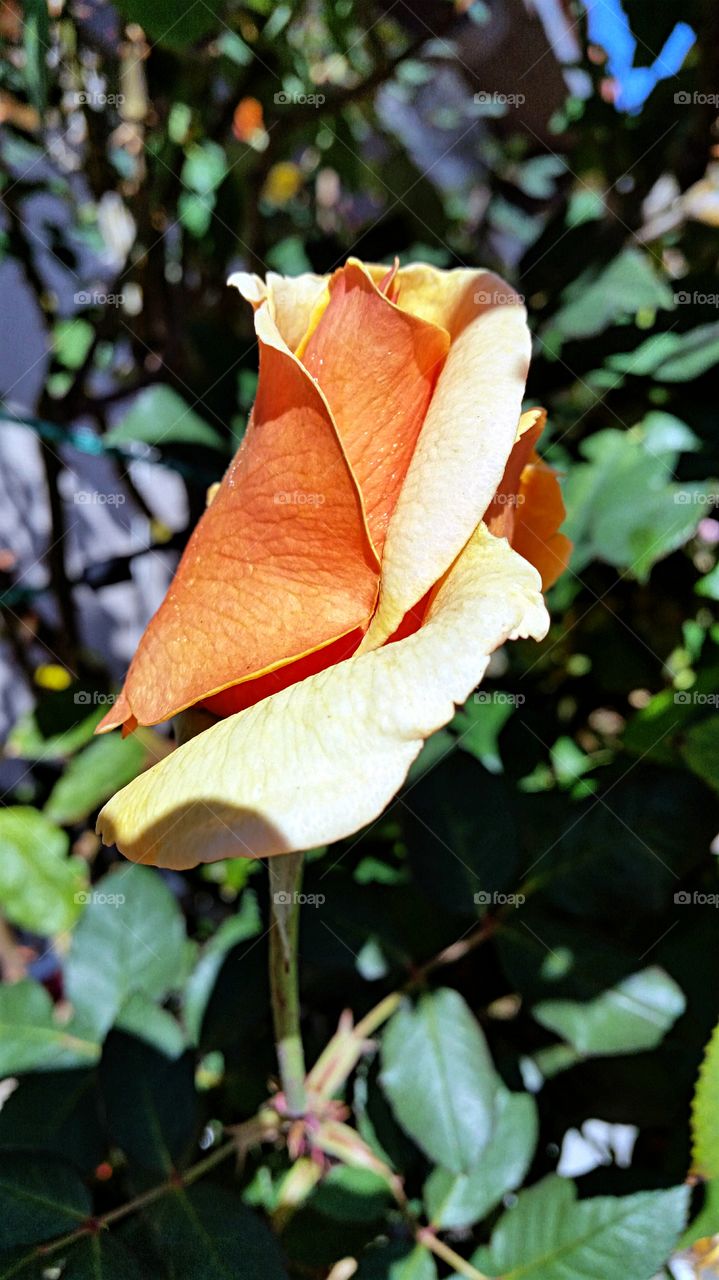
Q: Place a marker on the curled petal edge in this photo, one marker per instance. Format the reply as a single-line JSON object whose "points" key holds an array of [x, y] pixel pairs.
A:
{"points": [[321, 759]]}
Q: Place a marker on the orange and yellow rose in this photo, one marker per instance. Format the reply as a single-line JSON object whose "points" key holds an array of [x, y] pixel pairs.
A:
{"points": [[373, 541]]}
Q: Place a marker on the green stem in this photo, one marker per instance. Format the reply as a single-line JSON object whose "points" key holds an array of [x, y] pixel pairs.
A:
{"points": [[285, 882], [441, 1250]]}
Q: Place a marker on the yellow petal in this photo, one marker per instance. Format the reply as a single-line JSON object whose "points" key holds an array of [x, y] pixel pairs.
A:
{"points": [[468, 433], [320, 759], [292, 299]]}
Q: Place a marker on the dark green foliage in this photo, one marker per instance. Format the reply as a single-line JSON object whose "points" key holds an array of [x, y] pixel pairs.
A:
{"points": [[544, 891]]}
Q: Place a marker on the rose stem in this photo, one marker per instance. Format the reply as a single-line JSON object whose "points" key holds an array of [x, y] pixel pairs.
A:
{"points": [[285, 881]]}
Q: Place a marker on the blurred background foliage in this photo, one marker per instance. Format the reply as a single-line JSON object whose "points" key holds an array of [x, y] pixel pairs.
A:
{"points": [[560, 837]]}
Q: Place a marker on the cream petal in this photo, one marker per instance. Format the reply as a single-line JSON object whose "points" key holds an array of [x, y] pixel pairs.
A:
{"points": [[468, 432], [292, 299], [317, 761]]}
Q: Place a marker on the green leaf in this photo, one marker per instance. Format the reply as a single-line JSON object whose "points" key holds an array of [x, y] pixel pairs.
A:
{"points": [[38, 1199], [623, 506], [204, 168], [440, 1080], [672, 357], [32, 739], [700, 748], [548, 1234], [36, 40], [397, 1261], [238, 928], [30, 1037], [160, 416], [130, 939], [451, 857], [71, 340], [59, 1114], [141, 1017], [351, 1195], [457, 1201], [705, 1113], [150, 1102], [209, 1234], [629, 284], [103, 1257], [94, 775], [708, 586], [195, 212], [706, 1222], [632, 1017], [40, 887], [166, 24], [289, 257], [479, 725]]}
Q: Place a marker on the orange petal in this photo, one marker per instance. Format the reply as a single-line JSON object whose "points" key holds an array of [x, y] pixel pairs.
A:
{"points": [[528, 507], [467, 435], [241, 696], [279, 565], [377, 365], [316, 762], [537, 522], [500, 514]]}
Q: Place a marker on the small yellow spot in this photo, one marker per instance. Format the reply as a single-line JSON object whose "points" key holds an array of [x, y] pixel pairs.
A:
{"points": [[283, 182], [52, 676], [160, 532]]}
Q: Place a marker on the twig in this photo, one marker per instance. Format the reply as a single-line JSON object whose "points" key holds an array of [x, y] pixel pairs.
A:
{"points": [[426, 1237], [177, 1181]]}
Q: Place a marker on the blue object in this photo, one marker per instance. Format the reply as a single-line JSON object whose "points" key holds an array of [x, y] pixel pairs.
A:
{"points": [[608, 26]]}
